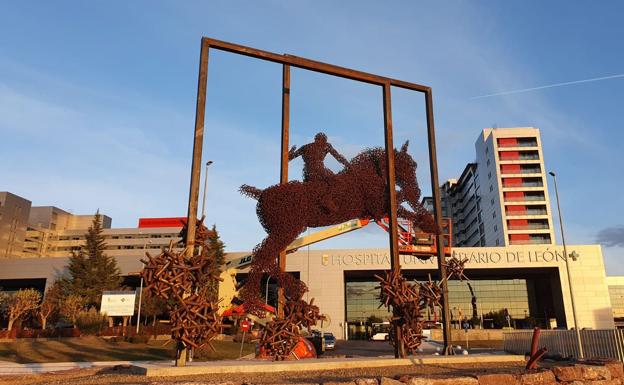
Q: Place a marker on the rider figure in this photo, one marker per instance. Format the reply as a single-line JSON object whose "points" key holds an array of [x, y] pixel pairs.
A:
{"points": [[313, 155], [314, 169]]}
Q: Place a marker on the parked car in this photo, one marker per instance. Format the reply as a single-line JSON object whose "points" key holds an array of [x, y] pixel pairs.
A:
{"points": [[330, 341]]}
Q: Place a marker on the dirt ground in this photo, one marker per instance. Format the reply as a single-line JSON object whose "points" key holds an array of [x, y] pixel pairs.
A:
{"points": [[123, 375], [98, 349]]}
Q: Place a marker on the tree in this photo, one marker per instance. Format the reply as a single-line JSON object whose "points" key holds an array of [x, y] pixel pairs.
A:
{"points": [[50, 304], [90, 270], [498, 318], [152, 306], [216, 252], [71, 306], [20, 304]]}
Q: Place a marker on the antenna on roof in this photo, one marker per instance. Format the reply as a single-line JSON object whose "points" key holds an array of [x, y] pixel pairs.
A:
{"points": [[494, 125]]}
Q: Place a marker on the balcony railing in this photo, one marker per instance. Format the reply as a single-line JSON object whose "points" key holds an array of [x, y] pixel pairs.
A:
{"points": [[540, 241], [528, 227], [520, 157], [524, 184], [518, 144], [525, 198], [521, 171], [526, 212]]}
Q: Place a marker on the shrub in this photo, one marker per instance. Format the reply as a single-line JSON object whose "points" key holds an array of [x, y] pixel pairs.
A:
{"points": [[139, 339], [90, 322]]}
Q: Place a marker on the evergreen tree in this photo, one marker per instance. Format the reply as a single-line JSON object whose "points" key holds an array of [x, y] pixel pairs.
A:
{"points": [[90, 270], [215, 249]]}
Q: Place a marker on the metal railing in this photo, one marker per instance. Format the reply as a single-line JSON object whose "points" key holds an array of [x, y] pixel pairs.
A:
{"points": [[528, 227], [510, 213], [596, 343], [520, 157], [524, 184], [526, 198], [518, 144], [535, 241]]}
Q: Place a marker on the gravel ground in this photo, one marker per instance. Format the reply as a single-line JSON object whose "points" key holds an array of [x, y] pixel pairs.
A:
{"points": [[121, 375]]}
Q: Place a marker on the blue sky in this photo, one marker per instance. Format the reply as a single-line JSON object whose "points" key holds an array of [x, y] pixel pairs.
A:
{"points": [[97, 99]]}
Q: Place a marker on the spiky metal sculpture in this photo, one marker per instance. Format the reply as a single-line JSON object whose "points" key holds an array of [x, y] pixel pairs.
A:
{"points": [[185, 283], [407, 300]]}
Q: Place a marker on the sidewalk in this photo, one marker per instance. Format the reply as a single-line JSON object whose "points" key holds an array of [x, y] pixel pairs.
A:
{"points": [[259, 366], [10, 368]]}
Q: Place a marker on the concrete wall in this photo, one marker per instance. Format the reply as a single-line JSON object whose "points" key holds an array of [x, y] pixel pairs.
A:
{"points": [[324, 271]]}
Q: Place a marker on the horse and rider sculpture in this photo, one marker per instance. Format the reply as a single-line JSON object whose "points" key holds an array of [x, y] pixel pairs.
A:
{"points": [[326, 198]]}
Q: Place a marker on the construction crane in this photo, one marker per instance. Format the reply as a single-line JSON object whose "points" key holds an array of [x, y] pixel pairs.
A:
{"points": [[412, 241]]}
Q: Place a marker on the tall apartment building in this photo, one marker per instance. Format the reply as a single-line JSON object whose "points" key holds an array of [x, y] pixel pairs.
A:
{"points": [[502, 198]]}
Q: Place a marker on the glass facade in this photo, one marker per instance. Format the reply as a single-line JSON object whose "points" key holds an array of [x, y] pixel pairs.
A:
{"points": [[362, 301], [492, 297]]}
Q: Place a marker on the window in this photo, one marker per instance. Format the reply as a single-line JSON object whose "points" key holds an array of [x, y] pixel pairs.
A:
{"points": [[493, 214], [492, 201], [497, 242], [487, 149], [488, 162], [491, 188], [495, 228], [490, 175]]}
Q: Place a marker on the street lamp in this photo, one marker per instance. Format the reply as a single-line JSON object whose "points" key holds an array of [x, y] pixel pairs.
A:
{"points": [[266, 294], [205, 188], [567, 257]]}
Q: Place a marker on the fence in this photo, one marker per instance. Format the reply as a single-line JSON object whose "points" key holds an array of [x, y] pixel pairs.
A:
{"points": [[596, 343]]}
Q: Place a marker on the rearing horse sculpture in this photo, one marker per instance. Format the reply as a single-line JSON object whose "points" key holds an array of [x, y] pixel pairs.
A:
{"points": [[358, 191]]}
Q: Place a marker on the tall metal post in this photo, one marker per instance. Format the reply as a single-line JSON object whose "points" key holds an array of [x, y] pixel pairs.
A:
{"points": [[567, 261], [437, 211], [284, 168], [191, 218], [399, 348]]}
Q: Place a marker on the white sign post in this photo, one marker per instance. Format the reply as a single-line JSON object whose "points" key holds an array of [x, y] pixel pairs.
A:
{"points": [[118, 303]]}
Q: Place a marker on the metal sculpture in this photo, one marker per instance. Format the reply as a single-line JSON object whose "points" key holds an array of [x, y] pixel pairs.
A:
{"points": [[281, 335], [184, 283], [407, 300], [323, 199]]}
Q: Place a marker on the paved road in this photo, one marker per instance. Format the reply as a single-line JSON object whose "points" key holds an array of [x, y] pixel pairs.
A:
{"points": [[358, 348]]}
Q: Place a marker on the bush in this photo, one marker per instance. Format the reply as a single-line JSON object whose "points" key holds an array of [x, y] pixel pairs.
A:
{"points": [[139, 339], [39, 333], [90, 322]]}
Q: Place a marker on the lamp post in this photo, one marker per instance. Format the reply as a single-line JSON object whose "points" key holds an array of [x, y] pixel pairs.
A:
{"points": [[266, 294], [205, 188], [567, 261]]}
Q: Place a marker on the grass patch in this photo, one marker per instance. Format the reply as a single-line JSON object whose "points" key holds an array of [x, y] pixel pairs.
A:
{"points": [[98, 349]]}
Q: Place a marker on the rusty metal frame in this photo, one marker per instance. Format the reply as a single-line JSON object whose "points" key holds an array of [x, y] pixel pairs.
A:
{"points": [[386, 83]]}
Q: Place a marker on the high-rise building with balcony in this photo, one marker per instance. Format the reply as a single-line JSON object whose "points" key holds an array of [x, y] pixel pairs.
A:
{"points": [[502, 198]]}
